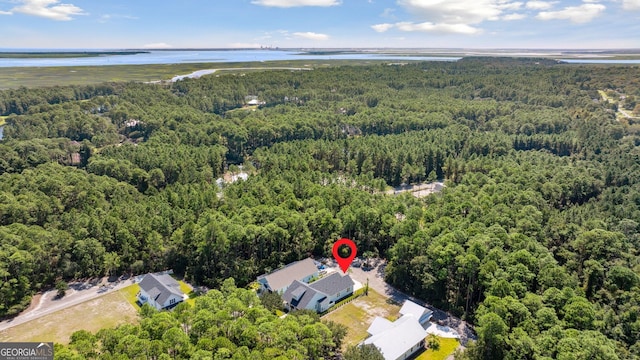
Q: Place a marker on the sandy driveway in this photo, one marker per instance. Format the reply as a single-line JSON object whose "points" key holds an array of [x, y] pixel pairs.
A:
{"points": [[78, 292], [200, 73]]}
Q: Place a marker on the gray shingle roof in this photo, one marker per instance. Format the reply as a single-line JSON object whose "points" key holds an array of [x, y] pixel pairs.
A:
{"points": [[295, 271], [160, 287], [333, 284], [300, 295]]}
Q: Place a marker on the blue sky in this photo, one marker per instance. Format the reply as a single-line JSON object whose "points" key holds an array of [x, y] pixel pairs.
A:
{"points": [[320, 23]]}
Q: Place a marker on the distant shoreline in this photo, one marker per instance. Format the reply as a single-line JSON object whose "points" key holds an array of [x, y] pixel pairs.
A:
{"points": [[63, 54], [583, 54]]}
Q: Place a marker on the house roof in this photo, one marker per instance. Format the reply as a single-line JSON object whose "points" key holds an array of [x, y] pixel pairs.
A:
{"points": [[160, 287], [411, 308], [300, 295], [396, 340], [333, 284], [419, 312], [379, 325], [298, 270]]}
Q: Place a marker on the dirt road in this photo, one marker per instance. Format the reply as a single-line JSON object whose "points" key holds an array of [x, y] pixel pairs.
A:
{"points": [[199, 73], [78, 292]]}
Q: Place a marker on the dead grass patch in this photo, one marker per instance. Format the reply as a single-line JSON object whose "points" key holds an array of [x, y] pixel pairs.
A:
{"points": [[107, 311], [358, 315]]}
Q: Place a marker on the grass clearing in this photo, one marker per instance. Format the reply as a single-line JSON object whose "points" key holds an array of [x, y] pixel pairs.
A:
{"points": [[13, 77], [3, 120], [358, 315], [187, 289], [104, 312], [130, 293], [447, 347]]}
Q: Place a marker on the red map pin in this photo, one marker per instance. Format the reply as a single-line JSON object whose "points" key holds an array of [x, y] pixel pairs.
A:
{"points": [[344, 262]]}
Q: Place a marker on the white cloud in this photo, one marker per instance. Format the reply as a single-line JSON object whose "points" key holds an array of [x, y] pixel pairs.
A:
{"points": [[540, 5], [511, 6], [514, 16], [631, 4], [441, 28], [576, 14], [106, 17], [50, 9], [388, 13], [159, 45], [311, 35], [382, 27], [456, 11], [5, 12], [295, 3], [453, 16]]}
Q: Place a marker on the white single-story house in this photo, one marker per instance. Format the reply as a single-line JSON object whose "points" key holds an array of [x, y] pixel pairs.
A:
{"points": [[160, 291], [319, 295], [402, 338], [279, 280]]}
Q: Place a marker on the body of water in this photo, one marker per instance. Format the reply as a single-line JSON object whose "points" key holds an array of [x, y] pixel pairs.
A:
{"points": [[1, 132], [600, 61], [207, 56]]}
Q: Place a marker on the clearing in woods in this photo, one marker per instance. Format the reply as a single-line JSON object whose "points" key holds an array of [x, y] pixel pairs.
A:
{"points": [[105, 311]]}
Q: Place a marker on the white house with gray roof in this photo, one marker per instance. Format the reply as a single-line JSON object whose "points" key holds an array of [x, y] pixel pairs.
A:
{"points": [[160, 291], [279, 280], [319, 295]]}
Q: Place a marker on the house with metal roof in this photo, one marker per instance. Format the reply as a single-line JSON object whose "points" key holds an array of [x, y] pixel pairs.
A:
{"points": [[419, 312], [319, 295], [280, 280], [160, 291], [402, 338]]}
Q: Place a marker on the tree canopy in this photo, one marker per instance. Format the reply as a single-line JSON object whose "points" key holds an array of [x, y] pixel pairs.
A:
{"points": [[534, 239]]}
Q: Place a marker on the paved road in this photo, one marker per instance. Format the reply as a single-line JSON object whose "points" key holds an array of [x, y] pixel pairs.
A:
{"points": [[377, 283], [78, 292]]}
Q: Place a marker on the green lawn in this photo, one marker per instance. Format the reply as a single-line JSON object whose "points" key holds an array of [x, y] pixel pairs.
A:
{"points": [[358, 315], [130, 293], [2, 120], [187, 289], [107, 311], [447, 347]]}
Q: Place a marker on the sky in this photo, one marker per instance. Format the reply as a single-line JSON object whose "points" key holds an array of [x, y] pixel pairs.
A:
{"points": [[482, 24]]}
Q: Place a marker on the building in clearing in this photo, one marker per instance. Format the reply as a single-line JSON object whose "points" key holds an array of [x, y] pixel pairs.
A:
{"points": [[160, 291], [402, 338], [319, 295], [280, 280]]}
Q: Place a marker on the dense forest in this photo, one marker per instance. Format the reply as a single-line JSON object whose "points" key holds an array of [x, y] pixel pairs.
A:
{"points": [[534, 239]]}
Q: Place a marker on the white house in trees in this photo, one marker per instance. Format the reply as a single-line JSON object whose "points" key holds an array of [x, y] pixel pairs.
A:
{"points": [[402, 338], [160, 291], [319, 295], [279, 280]]}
